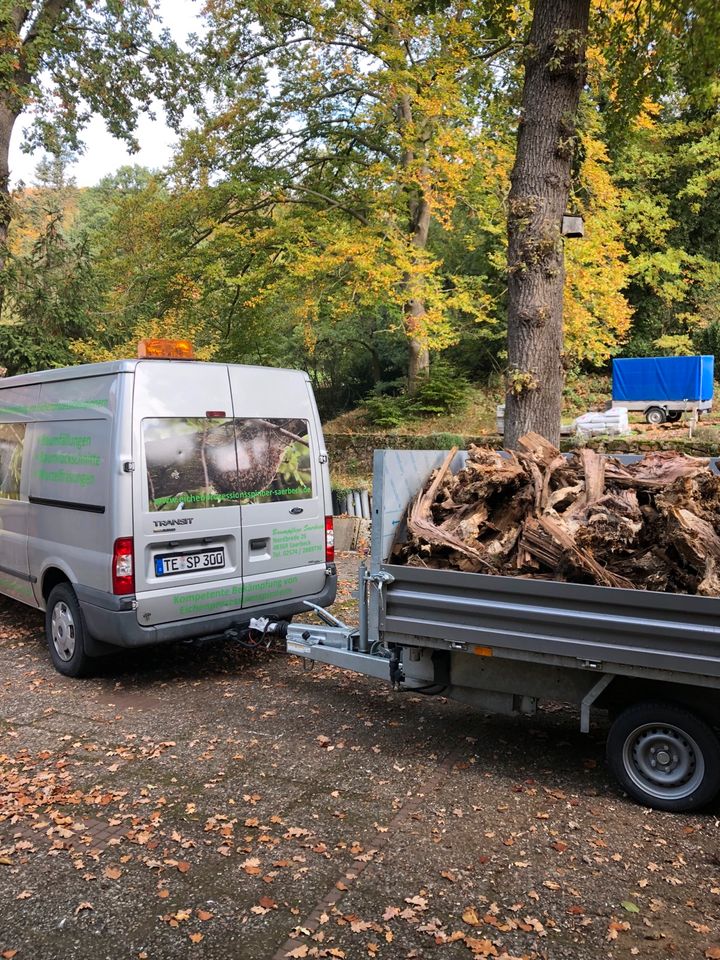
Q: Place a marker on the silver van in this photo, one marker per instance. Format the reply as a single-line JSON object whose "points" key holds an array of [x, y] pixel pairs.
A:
{"points": [[150, 500]]}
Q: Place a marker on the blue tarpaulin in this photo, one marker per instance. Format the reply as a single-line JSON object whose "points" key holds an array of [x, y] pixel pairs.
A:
{"points": [[663, 378]]}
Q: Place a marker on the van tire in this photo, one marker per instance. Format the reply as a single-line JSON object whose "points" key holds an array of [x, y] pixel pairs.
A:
{"points": [[65, 632], [647, 735]]}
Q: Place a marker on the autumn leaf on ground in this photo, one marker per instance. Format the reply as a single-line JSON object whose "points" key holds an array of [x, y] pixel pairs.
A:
{"points": [[24, 895], [481, 948], [112, 873], [83, 906], [195, 937], [712, 953], [615, 926], [301, 951], [204, 915], [630, 906], [8, 954], [470, 916], [251, 866]]}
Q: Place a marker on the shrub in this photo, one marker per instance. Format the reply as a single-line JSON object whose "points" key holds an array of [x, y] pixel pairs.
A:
{"points": [[388, 412], [444, 391]]}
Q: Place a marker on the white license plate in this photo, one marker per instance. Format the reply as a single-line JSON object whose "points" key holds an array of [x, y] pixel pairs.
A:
{"points": [[194, 562]]}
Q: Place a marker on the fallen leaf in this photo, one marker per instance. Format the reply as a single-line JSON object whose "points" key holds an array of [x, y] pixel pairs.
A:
{"points": [[83, 906], [470, 916], [204, 915], [712, 953], [8, 954], [301, 951], [112, 873], [195, 937], [481, 948], [630, 906], [24, 895], [614, 927]]}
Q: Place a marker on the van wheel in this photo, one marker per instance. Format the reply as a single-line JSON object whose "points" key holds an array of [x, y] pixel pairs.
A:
{"points": [[665, 757], [674, 416], [65, 632]]}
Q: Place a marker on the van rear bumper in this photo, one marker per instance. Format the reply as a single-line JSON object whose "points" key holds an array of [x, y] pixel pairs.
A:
{"points": [[110, 623]]}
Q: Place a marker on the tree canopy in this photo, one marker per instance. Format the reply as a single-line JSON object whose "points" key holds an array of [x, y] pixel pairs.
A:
{"points": [[342, 202]]}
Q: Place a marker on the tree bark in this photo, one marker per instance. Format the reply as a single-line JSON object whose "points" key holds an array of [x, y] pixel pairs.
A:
{"points": [[419, 227], [7, 122], [419, 356], [554, 78]]}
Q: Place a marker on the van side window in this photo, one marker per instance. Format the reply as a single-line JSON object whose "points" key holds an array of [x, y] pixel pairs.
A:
{"points": [[198, 462], [12, 438]]}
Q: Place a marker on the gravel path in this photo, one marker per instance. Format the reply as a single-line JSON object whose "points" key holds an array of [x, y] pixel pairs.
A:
{"points": [[197, 801]]}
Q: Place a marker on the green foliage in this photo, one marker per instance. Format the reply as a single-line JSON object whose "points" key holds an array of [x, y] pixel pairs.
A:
{"points": [[24, 350], [71, 60], [388, 412], [707, 339], [443, 391]]}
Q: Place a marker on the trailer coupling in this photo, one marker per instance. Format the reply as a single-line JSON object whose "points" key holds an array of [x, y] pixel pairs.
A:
{"points": [[335, 643]]}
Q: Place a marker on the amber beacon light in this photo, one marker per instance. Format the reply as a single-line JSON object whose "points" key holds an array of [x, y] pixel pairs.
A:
{"points": [[158, 349]]}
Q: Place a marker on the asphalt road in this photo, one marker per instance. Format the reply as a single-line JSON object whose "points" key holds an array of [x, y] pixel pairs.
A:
{"points": [[198, 801]]}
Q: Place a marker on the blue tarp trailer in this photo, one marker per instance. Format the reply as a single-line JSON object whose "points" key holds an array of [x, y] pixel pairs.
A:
{"points": [[663, 388]]}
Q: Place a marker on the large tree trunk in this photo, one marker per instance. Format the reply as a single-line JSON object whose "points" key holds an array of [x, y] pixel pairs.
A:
{"points": [[7, 122], [419, 227], [554, 78], [419, 356]]}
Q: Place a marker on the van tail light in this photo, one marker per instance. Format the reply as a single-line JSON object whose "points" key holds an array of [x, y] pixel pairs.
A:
{"points": [[123, 567], [329, 540]]}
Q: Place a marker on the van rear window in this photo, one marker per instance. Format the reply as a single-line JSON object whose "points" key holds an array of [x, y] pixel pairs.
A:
{"points": [[12, 437], [193, 463]]}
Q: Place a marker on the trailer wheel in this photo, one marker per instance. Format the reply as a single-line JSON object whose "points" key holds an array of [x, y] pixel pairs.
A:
{"points": [[655, 416], [665, 757], [673, 416], [65, 632]]}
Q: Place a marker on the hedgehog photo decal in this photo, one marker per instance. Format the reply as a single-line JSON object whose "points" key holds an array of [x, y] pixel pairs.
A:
{"points": [[194, 463]]}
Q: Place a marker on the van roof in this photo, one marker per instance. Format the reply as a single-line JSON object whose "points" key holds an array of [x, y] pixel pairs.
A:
{"points": [[118, 366]]}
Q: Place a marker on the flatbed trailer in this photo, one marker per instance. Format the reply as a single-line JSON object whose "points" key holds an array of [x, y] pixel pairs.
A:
{"points": [[503, 644]]}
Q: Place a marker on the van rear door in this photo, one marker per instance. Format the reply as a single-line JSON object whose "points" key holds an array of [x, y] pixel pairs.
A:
{"points": [[280, 485], [187, 523]]}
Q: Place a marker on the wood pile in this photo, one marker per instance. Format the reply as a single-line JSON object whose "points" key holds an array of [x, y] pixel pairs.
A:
{"points": [[585, 518]]}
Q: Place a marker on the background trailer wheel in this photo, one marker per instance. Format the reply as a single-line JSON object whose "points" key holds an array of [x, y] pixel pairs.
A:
{"points": [[655, 416], [665, 757], [65, 632], [673, 416]]}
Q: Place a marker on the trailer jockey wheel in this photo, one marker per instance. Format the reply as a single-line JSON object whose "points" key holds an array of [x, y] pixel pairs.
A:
{"points": [[665, 757], [655, 416], [674, 416]]}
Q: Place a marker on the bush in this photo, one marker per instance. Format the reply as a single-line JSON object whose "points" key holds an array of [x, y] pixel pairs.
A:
{"points": [[388, 411], [444, 391]]}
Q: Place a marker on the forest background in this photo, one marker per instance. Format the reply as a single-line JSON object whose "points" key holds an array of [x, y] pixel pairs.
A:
{"points": [[350, 159]]}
